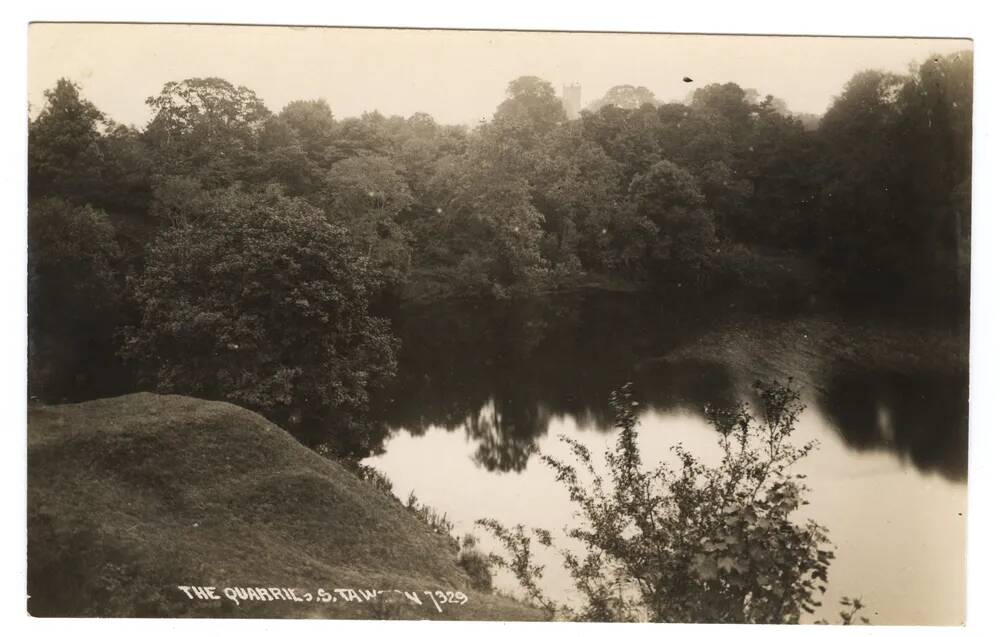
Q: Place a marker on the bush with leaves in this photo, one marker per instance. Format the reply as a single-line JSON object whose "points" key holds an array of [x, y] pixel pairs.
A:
{"points": [[366, 195], [519, 560], [74, 263], [692, 543], [65, 146], [208, 127], [684, 246], [437, 521], [475, 563], [369, 475], [257, 299]]}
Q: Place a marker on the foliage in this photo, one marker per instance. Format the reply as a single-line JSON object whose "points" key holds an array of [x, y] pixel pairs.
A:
{"points": [[624, 96], [574, 186], [64, 145], [366, 195], [682, 247], [258, 300], [371, 475], [897, 212], [728, 188], [438, 522], [470, 559], [530, 111], [496, 229], [630, 137], [517, 543], [475, 564], [72, 256], [74, 264], [206, 126], [530, 199], [851, 609], [692, 543], [313, 125]]}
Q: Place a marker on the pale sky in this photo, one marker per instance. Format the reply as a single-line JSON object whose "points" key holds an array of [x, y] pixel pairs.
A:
{"points": [[455, 76]]}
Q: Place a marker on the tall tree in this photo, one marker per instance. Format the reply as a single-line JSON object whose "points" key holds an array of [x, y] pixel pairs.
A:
{"points": [[265, 304], [624, 96], [313, 124], [575, 186], [630, 137], [366, 195], [208, 127], [936, 140], [685, 240], [530, 111], [867, 237], [486, 225], [75, 282], [777, 165], [64, 146]]}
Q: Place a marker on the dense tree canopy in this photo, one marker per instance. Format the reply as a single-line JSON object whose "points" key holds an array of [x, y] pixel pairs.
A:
{"points": [[898, 153], [366, 195], [530, 111], [669, 196], [262, 302], [205, 126], [625, 96], [64, 145], [74, 272], [218, 199]]}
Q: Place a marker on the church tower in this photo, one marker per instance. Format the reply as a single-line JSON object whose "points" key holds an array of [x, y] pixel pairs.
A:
{"points": [[571, 100]]}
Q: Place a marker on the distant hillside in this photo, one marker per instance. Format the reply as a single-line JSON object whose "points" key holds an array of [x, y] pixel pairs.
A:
{"points": [[131, 497]]}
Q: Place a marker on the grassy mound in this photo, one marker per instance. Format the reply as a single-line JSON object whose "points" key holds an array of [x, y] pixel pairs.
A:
{"points": [[131, 497]]}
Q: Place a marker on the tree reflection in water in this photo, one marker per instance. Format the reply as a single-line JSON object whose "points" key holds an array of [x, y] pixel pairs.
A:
{"points": [[504, 371], [921, 417]]}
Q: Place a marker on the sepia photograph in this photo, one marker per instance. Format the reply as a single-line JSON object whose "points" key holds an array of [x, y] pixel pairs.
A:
{"points": [[484, 324]]}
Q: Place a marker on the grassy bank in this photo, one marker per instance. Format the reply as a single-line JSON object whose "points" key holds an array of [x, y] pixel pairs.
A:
{"points": [[131, 497], [800, 346]]}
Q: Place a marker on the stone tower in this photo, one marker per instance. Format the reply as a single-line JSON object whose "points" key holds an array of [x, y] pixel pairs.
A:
{"points": [[571, 100]]}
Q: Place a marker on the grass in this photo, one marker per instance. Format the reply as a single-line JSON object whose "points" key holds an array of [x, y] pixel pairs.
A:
{"points": [[801, 347], [130, 497]]}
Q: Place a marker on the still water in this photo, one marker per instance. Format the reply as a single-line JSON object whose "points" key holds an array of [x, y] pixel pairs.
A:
{"points": [[484, 389]]}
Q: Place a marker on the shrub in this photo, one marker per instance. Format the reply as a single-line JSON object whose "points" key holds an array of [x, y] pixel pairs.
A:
{"points": [[693, 543], [517, 543], [438, 522], [370, 475], [73, 257], [476, 564], [258, 300]]}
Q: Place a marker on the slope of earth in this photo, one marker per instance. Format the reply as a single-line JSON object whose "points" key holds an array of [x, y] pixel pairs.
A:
{"points": [[130, 498]]}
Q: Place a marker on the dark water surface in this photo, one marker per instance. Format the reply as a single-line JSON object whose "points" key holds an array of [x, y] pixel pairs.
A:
{"points": [[484, 388]]}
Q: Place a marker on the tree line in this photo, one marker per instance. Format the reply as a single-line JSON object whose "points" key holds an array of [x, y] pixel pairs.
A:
{"points": [[227, 251]]}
